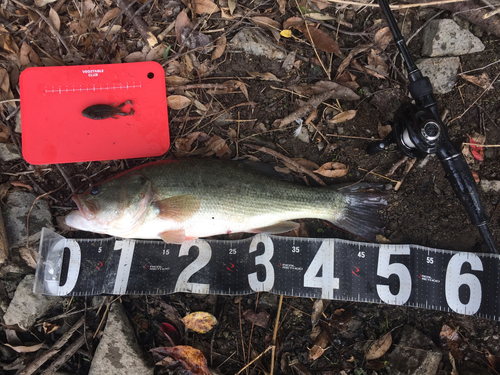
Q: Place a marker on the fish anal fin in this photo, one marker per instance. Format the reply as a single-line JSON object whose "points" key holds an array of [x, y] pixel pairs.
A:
{"points": [[281, 227], [178, 208], [177, 236]]}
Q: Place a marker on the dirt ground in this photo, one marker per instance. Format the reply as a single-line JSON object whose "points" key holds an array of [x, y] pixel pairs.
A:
{"points": [[424, 211]]}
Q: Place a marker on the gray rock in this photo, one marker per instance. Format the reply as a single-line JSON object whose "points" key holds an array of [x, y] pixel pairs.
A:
{"points": [[118, 352], [250, 42], [445, 38], [26, 307], [15, 213], [8, 152], [304, 135], [415, 354], [442, 71], [490, 185]]}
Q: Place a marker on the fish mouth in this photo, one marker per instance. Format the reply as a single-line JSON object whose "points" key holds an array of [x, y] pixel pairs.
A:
{"points": [[87, 209]]}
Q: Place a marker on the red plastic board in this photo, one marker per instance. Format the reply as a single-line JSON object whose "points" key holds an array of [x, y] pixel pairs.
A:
{"points": [[55, 131]]}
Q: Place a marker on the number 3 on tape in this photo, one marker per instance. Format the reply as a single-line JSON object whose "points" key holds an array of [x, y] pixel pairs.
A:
{"points": [[304, 267]]}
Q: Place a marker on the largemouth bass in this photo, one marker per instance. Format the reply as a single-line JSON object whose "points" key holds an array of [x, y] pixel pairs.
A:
{"points": [[190, 198]]}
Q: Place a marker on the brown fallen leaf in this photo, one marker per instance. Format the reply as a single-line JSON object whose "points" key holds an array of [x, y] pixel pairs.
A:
{"points": [[493, 360], [293, 22], [453, 341], [266, 22], [205, 6], [379, 347], [110, 15], [383, 38], [264, 76], [49, 327], [26, 349], [4, 80], [178, 102], [482, 81], [319, 39], [319, 347], [260, 319], [220, 48], [332, 169], [189, 358], [321, 87], [307, 164], [183, 145], [216, 145], [383, 130], [183, 26], [200, 321], [343, 116], [54, 19], [174, 81]]}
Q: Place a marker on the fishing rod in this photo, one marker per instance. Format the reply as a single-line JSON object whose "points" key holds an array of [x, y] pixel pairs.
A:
{"points": [[418, 131]]}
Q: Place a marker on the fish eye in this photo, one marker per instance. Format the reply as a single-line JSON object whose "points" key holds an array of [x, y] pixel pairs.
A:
{"points": [[95, 190]]}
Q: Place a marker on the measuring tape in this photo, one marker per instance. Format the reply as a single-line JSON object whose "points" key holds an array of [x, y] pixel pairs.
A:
{"points": [[408, 275]]}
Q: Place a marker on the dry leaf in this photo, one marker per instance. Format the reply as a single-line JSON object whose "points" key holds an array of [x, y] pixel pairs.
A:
{"points": [[321, 87], [332, 170], [476, 177], [261, 319], [383, 131], [315, 353], [25, 349], [307, 164], [174, 81], [135, 57], [4, 80], [266, 22], [41, 3], [183, 26], [220, 48], [178, 101], [232, 6], [319, 39], [28, 56], [205, 6], [49, 327], [110, 15], [482, 81], [383, 38], [10, 45], [191, 359], [54, 19], [200, 321], [379, 347], [293, 22], [282, 6], [453, 341], [343, 116], [216, 145], [475, 149], [264, 76]]}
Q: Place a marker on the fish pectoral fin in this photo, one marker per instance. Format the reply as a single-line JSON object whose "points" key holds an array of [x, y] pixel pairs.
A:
{"points": [[281, 227], [178, 208], [173, 236]]}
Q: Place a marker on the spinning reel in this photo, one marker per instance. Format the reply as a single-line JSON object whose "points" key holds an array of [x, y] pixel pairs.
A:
{"points": [[418, 132]]}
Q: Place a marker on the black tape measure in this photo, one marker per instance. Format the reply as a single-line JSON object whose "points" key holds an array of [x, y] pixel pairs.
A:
{"points": [[408, 275]]}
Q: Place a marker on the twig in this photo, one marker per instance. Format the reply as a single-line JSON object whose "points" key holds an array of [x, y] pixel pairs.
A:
{"points": [[409, 165], [376, 174], [288, 161], [9, 100], [67, 354], [54, 30], [275, 333], [254, 360], [396, 165], [475, 144], [484, 67], [39, 361], [479, 97], [350, 136], [105, 313], [139, 23], [241, 333], [397, 7], [66, 178], [116, 19]]}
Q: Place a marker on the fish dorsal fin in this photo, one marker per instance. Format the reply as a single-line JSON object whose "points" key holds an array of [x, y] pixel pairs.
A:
{"points": [[177, 236], [178, 208], [281, 227]]}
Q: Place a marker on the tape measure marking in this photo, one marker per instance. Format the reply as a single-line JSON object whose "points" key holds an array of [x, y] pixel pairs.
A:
{"points": [[407, 275]]}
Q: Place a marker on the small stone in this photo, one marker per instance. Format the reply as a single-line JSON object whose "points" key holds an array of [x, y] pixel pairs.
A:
{"points": [[490, 185], [8, 152], [445, 38], [321, 146], [250, 42], [26, 307], [442, 71], [340, 130], [304, 135], [268, 301], [414, 354], [18, 123], [15, 213], [118, 352]]}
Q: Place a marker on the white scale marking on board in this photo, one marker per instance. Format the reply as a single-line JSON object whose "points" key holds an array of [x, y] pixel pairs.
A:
{"points": [[86, 88]]}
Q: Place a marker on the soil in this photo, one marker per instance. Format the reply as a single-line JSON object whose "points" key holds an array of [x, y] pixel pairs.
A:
{"points": [[424, 211]]}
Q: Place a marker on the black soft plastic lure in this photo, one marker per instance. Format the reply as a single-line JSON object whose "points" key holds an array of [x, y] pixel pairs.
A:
{"points": [[104, 111]]}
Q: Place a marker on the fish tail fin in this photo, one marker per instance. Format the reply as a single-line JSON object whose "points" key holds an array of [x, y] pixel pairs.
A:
{"points": [[361, 218]]}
